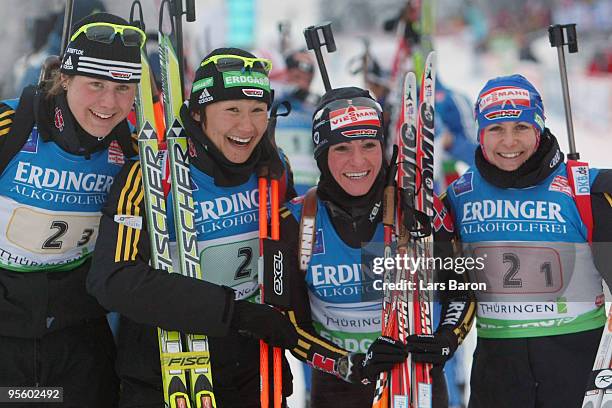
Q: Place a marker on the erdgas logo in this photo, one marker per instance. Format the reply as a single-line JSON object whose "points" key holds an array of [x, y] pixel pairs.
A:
{"points": [[62, 179], [278, 273], [253, 79]]}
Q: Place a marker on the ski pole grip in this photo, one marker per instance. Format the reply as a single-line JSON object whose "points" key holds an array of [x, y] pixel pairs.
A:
{"points": [[572, 39], [316, 37], [190, 11], [557, 37], [563, 34], [320, 35], [139, 22]]}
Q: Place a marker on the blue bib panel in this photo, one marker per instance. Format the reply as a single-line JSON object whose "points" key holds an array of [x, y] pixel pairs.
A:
{"points": [[538, 266], [50, 205], [346, 308], [227, 225]]}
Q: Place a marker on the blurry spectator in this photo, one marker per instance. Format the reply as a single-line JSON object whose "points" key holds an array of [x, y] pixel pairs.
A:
{"points": [[601, 62], [46, 41]]}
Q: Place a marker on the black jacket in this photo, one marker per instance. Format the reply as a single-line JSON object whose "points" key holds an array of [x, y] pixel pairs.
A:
{"points": [[123, 281], [33, 304]]}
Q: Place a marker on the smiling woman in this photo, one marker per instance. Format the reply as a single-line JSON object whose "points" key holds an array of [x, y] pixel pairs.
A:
{"points": [[98, 105], [230, 97], [336, 304], [235, 127], [72, 138], [355, 165], [510, 117], [519, 210], [225, 124], [508, 145]]}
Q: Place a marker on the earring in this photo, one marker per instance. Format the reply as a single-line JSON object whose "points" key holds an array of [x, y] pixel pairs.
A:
{"points": [[65, 87]]}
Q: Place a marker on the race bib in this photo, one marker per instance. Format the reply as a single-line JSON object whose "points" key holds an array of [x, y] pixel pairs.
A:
{"points": [[232, 264], [39, 232]]}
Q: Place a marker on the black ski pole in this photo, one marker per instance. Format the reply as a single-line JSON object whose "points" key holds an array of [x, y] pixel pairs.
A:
{"points": [[177, 13], [560, 35], [52, 62], [284, 34], [316, 37], [68, 11]]}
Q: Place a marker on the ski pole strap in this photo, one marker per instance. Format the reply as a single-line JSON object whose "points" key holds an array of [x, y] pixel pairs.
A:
{"points": [[307, 228], [578, 179]]}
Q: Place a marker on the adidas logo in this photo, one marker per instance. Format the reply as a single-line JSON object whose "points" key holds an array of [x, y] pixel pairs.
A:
{"points": [[205, 96], [68, 63]]}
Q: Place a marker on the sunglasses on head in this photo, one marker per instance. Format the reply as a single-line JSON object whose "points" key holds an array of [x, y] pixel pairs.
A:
{"points": [[105, 33], [225, 63]]}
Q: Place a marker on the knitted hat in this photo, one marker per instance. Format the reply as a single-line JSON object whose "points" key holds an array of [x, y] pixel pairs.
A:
{"points": [[114, 62], [346, 114], [210, 85], [509, 98]]}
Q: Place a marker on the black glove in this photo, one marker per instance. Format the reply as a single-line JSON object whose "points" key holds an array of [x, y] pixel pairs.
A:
{"points": [[264, 322], [432, 348], [382, 355]]}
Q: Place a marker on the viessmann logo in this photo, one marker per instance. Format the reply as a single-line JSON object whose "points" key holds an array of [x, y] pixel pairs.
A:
{"points": [[503, 95], [353, 116]]}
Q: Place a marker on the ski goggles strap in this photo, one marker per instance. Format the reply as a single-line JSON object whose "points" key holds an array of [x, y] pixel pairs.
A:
{"points": [[226, 63], [105, 33]]}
